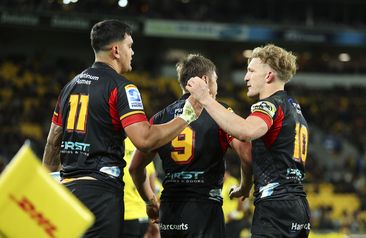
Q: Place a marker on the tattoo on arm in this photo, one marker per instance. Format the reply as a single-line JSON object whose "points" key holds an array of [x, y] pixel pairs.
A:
{"points": [[51, 155]]}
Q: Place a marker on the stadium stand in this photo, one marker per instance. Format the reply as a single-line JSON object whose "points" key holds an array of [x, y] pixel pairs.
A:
{"points": [[26, 115], [33, 70]]}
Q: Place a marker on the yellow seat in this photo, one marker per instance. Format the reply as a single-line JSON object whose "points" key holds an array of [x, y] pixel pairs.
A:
{"points": [[32, 130], [340, 202]]}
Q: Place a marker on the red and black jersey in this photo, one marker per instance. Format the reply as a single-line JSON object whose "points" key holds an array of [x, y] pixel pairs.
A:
{"points": [[193, 162], [279, 156], [93, 109]]}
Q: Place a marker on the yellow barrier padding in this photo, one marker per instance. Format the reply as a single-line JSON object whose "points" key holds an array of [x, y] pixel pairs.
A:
{"points": [[33, 204]]}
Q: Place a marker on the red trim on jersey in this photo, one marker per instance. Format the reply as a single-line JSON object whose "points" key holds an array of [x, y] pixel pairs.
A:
{"points": [[113, 113], [134, 118], [224, 139], [266, 118], [57, 117], [270, 137]]}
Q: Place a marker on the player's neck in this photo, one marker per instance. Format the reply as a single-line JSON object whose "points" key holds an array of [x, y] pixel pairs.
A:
{"points": [[108, 61], [270, 90]]}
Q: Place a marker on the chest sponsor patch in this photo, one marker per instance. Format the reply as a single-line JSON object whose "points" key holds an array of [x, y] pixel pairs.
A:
{"points": [[264, 107], [133, 97]]}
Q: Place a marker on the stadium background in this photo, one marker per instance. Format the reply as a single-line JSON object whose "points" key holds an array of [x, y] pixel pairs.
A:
{"points": [[43, 44]]}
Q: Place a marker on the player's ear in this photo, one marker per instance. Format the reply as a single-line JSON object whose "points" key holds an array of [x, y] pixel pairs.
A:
{"points": [[115, 51], [205, 78], [270, 76]]}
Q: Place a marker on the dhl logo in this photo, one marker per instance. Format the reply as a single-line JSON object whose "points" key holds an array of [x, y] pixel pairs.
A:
{"points": [[28, 207]]}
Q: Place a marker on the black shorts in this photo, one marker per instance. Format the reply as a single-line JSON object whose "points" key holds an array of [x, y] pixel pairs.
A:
{"points": [[191, 220], [135, 228], [281, 218], [105, 202]]}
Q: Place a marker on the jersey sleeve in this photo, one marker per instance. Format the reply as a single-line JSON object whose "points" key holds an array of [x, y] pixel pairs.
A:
{"points": [[152, 122], [265, 110], [158, 118], [225, 138], [129, 105], [57, 117]]}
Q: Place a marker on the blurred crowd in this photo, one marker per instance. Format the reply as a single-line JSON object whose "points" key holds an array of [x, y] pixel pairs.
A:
{"points": [[29, 89], [321, 13]]}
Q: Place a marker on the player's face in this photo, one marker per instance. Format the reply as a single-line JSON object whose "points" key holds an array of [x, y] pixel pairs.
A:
{"points": [[255, 77], [212, 84], [126, 53]]}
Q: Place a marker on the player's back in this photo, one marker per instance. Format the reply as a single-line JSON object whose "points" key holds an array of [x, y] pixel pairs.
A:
{"points": [[194, 161], [92, 142], [279, 156]]}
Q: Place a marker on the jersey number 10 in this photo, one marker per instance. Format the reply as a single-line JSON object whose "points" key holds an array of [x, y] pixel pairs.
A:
{"points": [[301, 143]]}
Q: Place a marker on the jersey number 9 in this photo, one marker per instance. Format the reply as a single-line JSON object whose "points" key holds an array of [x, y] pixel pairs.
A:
{"points": [[183, 146]]}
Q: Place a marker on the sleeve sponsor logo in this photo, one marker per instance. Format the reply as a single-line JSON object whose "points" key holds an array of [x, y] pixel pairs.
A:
{"points": [[133, 97], [264, 107]]}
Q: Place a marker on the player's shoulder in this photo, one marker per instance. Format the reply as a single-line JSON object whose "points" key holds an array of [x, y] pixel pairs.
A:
{"points": [[169, 112], [271, 104], [108, 74], [267, 106]]}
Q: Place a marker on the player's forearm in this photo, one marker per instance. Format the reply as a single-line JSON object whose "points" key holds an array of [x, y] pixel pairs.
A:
{"points": [[51, 157], [233, 124], [137, 171], [246, 181], [162, 134], [142, 183]]}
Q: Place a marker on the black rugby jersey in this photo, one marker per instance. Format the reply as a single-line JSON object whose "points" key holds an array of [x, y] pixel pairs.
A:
{"points": [[93, 109], [279, 156], [194, 161]]}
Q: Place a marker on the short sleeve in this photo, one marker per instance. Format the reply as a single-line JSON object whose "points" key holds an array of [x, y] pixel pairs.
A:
{"points": [[225, 138], [129, 105], [265, 110], [57, 117]]}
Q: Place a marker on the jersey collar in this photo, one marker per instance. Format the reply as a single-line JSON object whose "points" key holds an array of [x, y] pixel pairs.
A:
{"points": [[184, 96], [101, 65]]}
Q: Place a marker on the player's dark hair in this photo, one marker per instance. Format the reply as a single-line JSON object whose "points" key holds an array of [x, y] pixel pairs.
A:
{"points": [[106, 32], [194, 65]]}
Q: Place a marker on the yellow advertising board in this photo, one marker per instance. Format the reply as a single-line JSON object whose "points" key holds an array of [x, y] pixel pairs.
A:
{"points": [[33, 204]]}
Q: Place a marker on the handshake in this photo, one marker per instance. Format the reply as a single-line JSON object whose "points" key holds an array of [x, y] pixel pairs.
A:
{"points": [[194, 104]]}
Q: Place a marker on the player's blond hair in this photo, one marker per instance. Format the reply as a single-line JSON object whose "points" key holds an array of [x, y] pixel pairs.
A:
{"points": [[282, 61]]}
